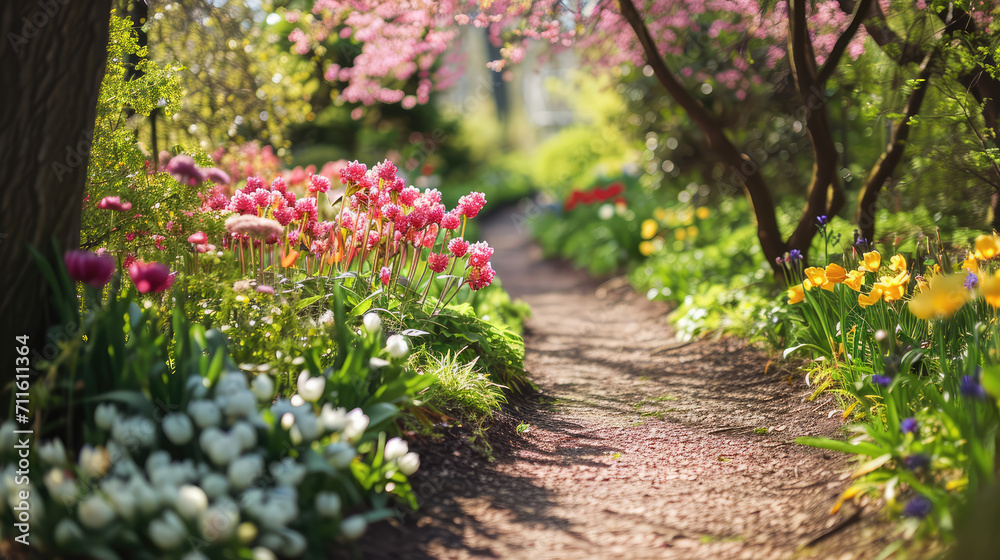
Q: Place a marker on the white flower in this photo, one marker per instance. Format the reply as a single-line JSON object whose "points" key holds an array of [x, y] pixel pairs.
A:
{"points": [[145, 497], [104, 416], [295, 543], [167, 531], [220, 520], [240, 405], [287, 420], [310, 425], [62, 487], [95, 512], [261, 553], [287, 472], [214, 485], [353, 527], [194, 555], [53, 453], [357, 422], [191, 502], [311, 388], [339, 454], [409, 463], [134, 431], [326, 317], [328, 504], [397, 346], [395, 448], [280, 509], [204, 413], [372, 322], [245, 433], [178, 428], [94, 462], [122, 499], [231, 384], [67, 532], [221, 448], [196, 385], [262, 387], [157, 459], [334, 419], [245, 470]]}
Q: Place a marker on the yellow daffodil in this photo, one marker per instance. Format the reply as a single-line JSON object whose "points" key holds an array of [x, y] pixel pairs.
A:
{"points": [[987, 247], [970, 263], [872, 260], [702, 213], [835, 273], [989, 287], [894, 288], [816, 276], [854, 280], [897, 263], [649, 228], [872, 297], [796, 294], [943, 297], [646, 248]]}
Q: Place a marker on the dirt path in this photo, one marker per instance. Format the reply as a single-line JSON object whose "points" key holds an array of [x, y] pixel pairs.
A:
{"points": [[643, 449]]}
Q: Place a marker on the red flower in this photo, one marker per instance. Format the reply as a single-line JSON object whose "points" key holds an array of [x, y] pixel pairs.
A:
{"points": [[615, 189], [93, 270], [437, 262], [151, 277]]}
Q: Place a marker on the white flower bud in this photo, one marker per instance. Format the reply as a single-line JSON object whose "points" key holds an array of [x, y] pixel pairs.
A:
{"points": [[61, 486], [105, 415], [245, 433], [372, 322], [95, 512], [214, 485], [397, 346], [262, 553], [167, 531], [145, 497], [204, 413], [357, 423], [395, 448], [94, 462], [191, 502], [328, 504], [53, 453], [353, 527], [287, 472], [219, 522], [409, 463], [243, 471], [263, 387], [334, 419], [178, 428], [68, 532], [240, 405], [311, 388]]}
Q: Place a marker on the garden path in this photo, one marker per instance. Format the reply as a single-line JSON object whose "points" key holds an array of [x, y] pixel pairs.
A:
{"points": [[640, 447]]}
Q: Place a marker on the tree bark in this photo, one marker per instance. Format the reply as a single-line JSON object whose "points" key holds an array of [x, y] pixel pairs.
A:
{"points": [[55, 51]]}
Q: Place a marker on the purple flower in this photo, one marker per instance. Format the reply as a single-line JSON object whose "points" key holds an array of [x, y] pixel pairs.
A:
{"points": [[823, 220], [93, 270], [265, 289], [909, 426], [216, 175], [971, 388], [794, 255], [779, 260], [882, 380], [185, 170], [919, 507], [971, 280], [917, 461]]}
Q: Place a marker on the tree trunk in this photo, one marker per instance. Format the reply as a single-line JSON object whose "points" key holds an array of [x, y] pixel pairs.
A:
{"points": [[54, 52]]}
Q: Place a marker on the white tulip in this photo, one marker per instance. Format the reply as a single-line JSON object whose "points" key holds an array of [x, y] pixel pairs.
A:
{"points": [[157, 460], [95, 512], [134, 432], [334, 419], [308, 423], [219, 521], [287, 472], [339, 454], [395, 448], [204, 413], [53, 453], [231, 383], [357, 422], [221, 448], [397, 346], [262, 553], [372, 322], [194, 555], [145, 497], [94, 462], [252, 502], [409, 463], [215, 485], [311, 388], [68, 532], [282, 407], [105, 415], [353, 527], [328, 504], [280, 511], [178, 428], [243, 471], [245, 433], [263, 387], [167, 531], [191, 502], [62, 488], [240, 405]]}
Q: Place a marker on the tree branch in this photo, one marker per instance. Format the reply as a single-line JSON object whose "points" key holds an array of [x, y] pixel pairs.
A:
{"points": [[845, 39]]}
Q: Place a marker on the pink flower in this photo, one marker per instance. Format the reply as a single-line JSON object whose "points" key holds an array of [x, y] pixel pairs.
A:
{"points": [[318, 183], [451, 221], [114, 203], [127, 262], [385, 274], [458, 247], [470, 204], [480, 277], [386, 171], [265, 289], [437, 262], [198, 238], [353, 172], [185, 170], [216, 175], [93, 270], [151, 277], [408, 196], [479, 254]]}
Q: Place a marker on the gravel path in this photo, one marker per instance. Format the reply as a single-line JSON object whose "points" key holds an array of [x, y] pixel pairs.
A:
{"points": [[641, 448]]}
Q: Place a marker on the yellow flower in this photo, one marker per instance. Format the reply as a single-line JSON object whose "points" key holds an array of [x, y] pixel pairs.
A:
{"points": [[835, 273], [680, 234], [898, 263], [872, 261], [970, 263], [987, 247], [894, 288], [649, 228], [943, 297], [989, 286], [646, 248], [796, 294], [702, 213], [660, 214], [692, 231], [816, 276], [872, 298], [854, 280]]}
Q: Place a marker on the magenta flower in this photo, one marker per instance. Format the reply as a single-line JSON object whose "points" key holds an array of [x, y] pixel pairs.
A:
{"points": [[386, 171], [93, 270], [114, 203], [353, 172], [458, 247], [451, 221], [479, 254], [185, 170], [385, 274], [216, 175], [265, 289], [150, 277], [318, 184], [470, 204], [437, 262], [480, 277], [198, 238]]}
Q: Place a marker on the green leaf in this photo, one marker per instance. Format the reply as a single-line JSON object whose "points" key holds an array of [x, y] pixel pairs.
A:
{"points": [[860, 448]]}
